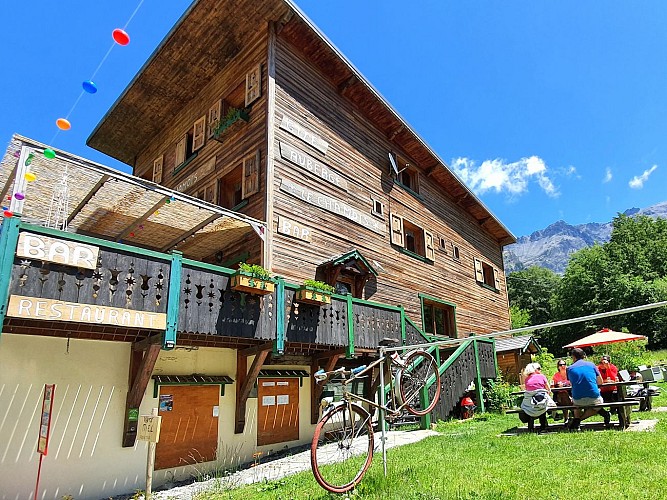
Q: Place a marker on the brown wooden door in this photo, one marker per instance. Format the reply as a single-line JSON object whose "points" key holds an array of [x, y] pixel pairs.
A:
{"points": [[277, 410], [189, 432]]}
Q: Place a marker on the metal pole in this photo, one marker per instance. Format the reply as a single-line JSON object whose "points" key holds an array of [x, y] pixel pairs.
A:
{"points": [[150, 464], [39, 472], [383, 422], [580, 319]]}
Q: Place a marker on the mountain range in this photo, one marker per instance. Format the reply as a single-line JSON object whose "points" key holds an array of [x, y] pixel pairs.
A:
{"points": [[551, 247]]}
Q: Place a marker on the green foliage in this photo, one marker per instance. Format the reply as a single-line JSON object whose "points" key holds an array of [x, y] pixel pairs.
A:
{"points": [[625, 355], [532, 290], [520, 317], [255, 270], [233, 115], [547, 361], [498, 394], [629, 270], [319, 285]]}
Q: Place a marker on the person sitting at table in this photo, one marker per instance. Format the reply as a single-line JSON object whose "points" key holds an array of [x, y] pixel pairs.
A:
{"points": [[585, 378], [609, 373], [635, 375], [559, 379], [537, 398]]}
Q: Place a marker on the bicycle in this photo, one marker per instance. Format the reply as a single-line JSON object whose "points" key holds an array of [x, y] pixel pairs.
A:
{"points": [[343, 443]]}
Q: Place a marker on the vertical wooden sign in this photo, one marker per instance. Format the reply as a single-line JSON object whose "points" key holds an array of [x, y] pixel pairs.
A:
{"points": [[44, 429], [45, 421]]}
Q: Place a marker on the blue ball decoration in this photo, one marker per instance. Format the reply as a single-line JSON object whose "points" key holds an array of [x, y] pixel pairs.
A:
{"points": [[89, 86]]}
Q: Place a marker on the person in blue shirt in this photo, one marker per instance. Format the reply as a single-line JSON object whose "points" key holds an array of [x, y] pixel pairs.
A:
{"points": [[585, 378]]}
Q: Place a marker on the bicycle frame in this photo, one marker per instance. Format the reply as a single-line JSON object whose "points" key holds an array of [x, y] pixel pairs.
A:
{"points": [[351, 397]]}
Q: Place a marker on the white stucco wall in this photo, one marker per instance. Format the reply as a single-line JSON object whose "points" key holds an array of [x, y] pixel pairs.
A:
{"points": [[85, 458]]}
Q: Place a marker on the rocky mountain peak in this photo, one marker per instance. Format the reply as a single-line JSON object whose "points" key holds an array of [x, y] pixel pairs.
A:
{"points": [[552, 246]]}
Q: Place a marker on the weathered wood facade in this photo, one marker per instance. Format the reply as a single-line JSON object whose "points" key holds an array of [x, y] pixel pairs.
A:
{"points": [[318, 141], [247, 108]]}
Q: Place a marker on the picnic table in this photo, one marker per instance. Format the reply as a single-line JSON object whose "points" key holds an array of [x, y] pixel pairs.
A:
{"points": [[623, 406]]}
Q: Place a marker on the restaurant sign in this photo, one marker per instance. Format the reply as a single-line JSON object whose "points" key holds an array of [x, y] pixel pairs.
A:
{"points": [[69, 253], [332, 205], [57, 310]]}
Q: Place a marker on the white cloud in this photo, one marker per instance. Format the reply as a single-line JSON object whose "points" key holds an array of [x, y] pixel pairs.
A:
{"points": [[607, 176], [499, 176], [637, 182]]}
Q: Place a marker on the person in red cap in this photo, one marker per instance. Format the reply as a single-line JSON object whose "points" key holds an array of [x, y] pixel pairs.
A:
{"points": [[609, 373]]}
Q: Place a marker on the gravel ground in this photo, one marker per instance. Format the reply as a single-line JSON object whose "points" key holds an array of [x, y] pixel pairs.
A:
{"points": [[275, 469]]}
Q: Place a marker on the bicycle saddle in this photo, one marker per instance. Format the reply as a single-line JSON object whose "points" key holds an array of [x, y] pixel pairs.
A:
{"points": [[386, 342]]}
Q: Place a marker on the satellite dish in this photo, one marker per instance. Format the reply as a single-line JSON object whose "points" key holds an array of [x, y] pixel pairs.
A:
{"points": [[394, 167]]}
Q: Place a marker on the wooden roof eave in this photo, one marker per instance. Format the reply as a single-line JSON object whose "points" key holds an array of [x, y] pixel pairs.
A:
{"points": [[400, 126]]}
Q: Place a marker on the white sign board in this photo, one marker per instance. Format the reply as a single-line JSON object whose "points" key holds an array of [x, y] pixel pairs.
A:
{"points": [[69, 253], [149, 428], [304, 134], [317, 168], [332, 205], [293, 228]]}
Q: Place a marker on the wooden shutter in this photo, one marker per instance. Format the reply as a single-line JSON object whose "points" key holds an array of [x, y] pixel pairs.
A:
{"points": [[429, 250], [479, 271], [253, 85], [157, 169], [496, 279], [397, 235], [250, 175], [199, 134], [181, 146], [214, 114]]}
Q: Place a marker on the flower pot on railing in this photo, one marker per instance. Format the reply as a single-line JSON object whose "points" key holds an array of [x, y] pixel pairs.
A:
{"points": [[249, 283], [234, 120], [315, 292]]}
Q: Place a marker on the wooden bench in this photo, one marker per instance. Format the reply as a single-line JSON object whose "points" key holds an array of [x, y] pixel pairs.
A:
{"points": [[622, 408]]}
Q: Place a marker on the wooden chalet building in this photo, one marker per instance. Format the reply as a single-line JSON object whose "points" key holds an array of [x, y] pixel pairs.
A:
{"points": [[252, 139]]}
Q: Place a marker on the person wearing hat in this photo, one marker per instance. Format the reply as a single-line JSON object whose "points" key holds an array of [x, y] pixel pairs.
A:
{"points": [[609, 373]]}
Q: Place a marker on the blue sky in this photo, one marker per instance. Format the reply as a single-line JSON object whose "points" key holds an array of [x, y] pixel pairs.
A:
{"points": [[548, 110]]}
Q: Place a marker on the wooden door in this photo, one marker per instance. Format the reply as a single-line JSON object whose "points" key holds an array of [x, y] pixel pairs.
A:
{"points": [[277, 410], [189, 432]]}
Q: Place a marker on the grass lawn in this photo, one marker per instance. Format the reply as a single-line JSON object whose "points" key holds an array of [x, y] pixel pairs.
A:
{"points": [[469, 460]]}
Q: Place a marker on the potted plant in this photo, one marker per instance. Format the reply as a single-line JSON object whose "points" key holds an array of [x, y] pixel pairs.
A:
{"points": [[314, 292], [233, 118], [252, 279]]}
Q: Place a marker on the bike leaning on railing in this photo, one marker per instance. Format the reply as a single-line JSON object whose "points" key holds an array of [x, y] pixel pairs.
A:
{"points": [[343, 443]]}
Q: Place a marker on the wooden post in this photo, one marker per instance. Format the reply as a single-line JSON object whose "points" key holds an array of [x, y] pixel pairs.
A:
{"points": [[150, 464]]}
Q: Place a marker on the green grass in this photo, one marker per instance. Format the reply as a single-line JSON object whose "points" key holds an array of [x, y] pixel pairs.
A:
{"points": [[470, 460]]}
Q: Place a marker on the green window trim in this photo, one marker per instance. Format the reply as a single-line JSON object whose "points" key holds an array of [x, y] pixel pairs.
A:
{"points": [[413, 255], [187, 161], [408, 190], [425, 297]]}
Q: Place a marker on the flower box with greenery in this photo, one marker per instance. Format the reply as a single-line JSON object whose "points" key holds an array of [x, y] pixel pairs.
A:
{"points": [[314, 292], [234, 118], [252, 279]]}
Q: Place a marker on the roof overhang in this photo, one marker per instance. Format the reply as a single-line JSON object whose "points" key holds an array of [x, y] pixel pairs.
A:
{"points": [[189, 57], [115, 206]]}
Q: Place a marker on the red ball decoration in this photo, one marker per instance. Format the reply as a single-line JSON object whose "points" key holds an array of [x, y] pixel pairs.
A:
{"points": [[120, 37], [9, 213]]}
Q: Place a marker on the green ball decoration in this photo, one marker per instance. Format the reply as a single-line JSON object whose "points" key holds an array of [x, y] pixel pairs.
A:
{"points": [[49, 153]]}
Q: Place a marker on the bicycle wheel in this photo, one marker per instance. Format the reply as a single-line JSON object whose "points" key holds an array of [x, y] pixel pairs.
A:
{"points": [[342, 448], [418, 368]]}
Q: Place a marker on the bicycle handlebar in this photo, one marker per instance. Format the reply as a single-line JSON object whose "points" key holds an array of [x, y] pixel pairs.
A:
{"points": [[322, 376]]}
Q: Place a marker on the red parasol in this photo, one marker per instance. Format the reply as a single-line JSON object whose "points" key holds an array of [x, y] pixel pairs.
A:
{"points": [[604, 336]]}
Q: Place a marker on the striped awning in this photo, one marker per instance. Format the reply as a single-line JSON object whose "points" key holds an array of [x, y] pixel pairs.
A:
{"points": [[275, 373]]}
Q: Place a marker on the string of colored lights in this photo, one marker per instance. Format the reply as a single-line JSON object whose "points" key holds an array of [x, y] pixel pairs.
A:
{"points": [[120, 37]]}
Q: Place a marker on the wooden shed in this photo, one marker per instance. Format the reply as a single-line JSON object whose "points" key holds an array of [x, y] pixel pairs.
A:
{"points": [[514, 353]]}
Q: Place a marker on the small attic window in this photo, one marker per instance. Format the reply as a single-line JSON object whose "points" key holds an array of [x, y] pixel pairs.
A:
{"points": [[405, 173]]}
